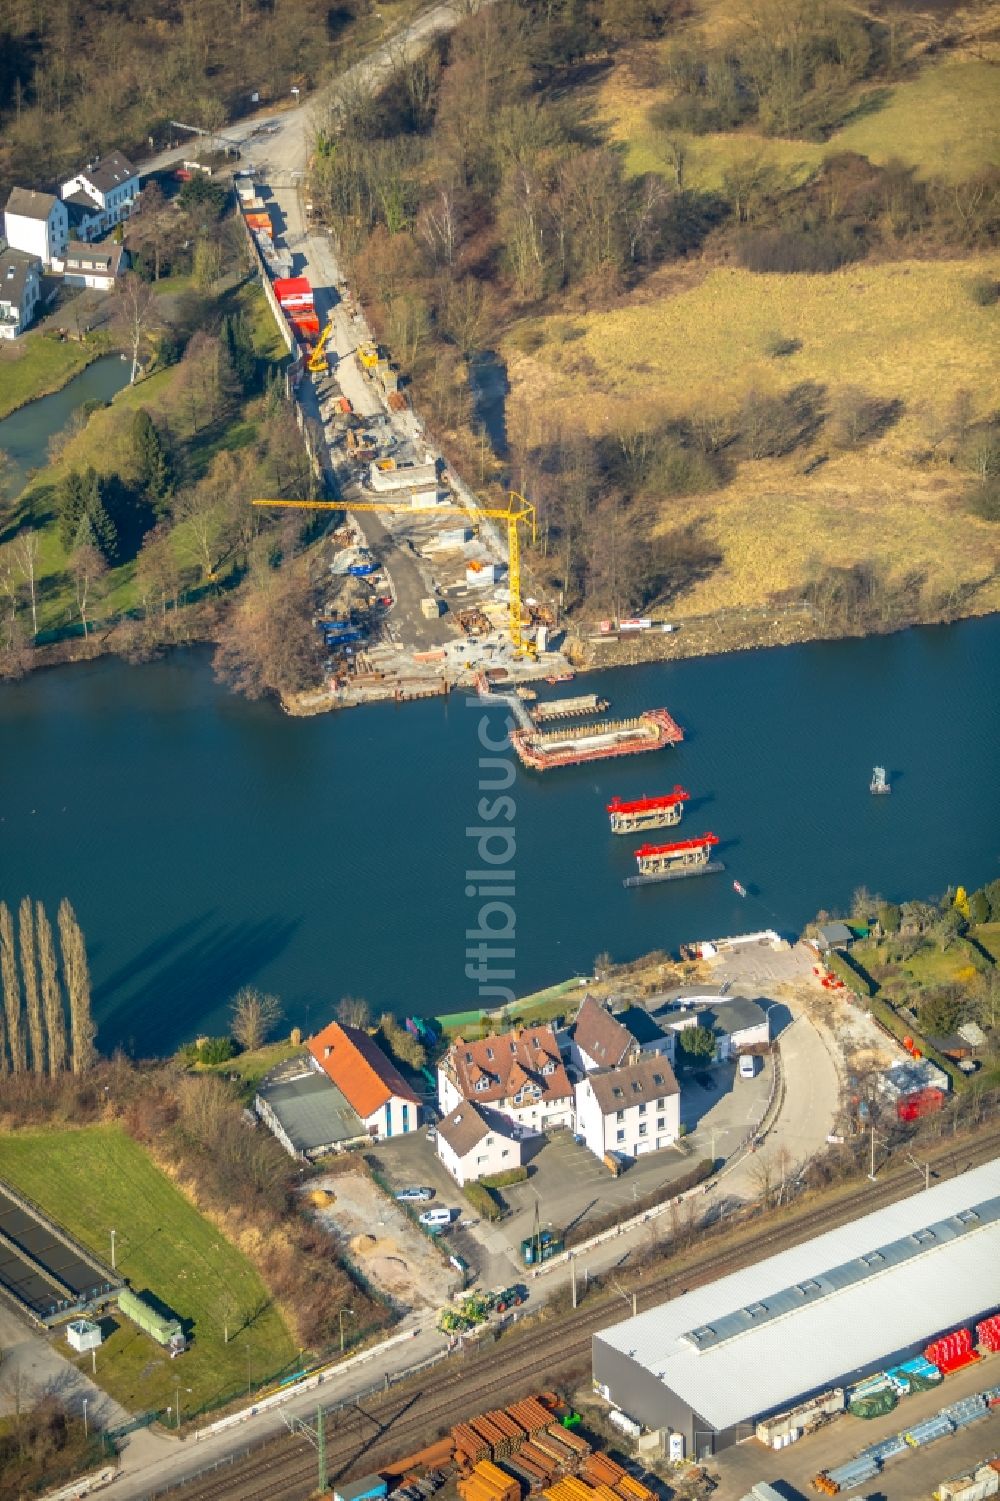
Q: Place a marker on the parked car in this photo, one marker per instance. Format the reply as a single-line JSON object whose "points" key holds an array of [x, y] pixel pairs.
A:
{"points": [[748, 1066], [436, 1219], [460, 1264], [415, 1195], [432, 1133]]}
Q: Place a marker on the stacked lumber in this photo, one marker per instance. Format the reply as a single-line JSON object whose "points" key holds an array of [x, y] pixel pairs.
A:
{"points": [[485, 1482], [542, 1462], [513, 1435], [611, 1482], [530, 1414], [572, 1440], [497, 1441], [435, 1457], [560, 1458], [630, 1489], [569, 1489], [470, 1447]]}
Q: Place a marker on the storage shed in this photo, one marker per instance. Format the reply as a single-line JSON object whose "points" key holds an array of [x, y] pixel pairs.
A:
{"points": [[711, 1364]]}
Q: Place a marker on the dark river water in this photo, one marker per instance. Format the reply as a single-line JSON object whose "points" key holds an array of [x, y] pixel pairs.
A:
{"points": [[207, 842], [25, 434]]}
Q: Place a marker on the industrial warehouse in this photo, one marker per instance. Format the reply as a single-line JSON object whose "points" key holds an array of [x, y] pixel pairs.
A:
{"points": [[709, 1365]]}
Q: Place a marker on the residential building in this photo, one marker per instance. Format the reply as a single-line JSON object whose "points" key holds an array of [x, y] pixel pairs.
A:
{"points": [[710, 1364], [95, 266], [600, 1038], [306, 1111], [519, 1074], [475, 1143], [834, 935], [20, 289], [101, 195], [372, 1085], [36, 223], [737, 1024], [629, 1110]]}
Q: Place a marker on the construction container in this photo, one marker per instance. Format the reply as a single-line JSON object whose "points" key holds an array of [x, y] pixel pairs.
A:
{"points": [[988, 1334], [294, 291], [952, 1351], [166, 1331], [368, 1488], [923, 1102]]}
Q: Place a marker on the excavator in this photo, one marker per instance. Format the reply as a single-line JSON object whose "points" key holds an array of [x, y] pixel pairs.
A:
{"points": [[318, 364]]}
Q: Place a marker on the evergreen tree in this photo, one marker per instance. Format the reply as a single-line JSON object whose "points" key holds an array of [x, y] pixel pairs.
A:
{"points": [[11, 992], [155, 473], [82, 502], [32, 996], [72, 505], [55, 1019], [76, 974], [239, 347]]}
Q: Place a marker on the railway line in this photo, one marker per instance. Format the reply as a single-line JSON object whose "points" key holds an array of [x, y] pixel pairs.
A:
{"points": [[370, 1432]]}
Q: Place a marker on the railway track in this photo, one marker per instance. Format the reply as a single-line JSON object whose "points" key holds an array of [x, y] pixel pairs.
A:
{"points": [[407, 1417]]}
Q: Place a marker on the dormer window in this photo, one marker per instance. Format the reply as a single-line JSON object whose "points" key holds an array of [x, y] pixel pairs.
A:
{"points": [[617, 1092], [483, 1083], [468, 1057], [489, 1052]]}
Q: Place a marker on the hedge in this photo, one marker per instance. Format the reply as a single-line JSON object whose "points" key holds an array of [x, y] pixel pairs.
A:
{"points": [[506, 1178], [848, 970], [892, 1022], [483, 1201]]}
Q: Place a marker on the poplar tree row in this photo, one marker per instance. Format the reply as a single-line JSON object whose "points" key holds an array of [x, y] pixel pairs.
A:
{"points": [[46, 1024]]}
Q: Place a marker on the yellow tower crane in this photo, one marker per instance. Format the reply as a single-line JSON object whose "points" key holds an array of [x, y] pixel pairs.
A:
{"points": [[517, 513]]}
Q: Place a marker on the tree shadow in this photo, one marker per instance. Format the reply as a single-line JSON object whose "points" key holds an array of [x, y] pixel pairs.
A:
{"points": [[166, 1008]]}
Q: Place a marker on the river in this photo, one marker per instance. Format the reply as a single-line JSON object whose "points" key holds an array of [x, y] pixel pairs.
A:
{"points": [[208, 842], [25, 434]]}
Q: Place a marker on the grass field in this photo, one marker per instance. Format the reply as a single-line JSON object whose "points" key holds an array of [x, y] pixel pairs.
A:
{"points": [[907, 331], [97, 1179], [36, 365], [943, 122]]}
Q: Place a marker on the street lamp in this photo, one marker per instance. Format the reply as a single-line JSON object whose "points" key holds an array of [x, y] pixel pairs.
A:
{"points": [[341, 1312], [86, 1429], [113, 1234], [248, 1370]]}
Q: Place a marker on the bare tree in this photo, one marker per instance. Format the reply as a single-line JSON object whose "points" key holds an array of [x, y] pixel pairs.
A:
{"points": [[76, 973], [254, 1015], [25, 548], [11, 992], [52, 1001], [135, 314], [353, 1011], [87, 567], [29, 973]]}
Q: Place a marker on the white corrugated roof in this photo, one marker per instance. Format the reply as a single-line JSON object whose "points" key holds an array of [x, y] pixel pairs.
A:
{"points": [[737, 1376]]}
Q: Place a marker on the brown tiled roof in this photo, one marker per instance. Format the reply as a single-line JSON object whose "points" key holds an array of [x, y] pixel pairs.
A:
{"points": [[596, 1032], [508, 1062], [359, 1068], [649, 1078], [464, 1128]]}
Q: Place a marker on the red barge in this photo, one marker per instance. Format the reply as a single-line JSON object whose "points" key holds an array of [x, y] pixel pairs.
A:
{"points": [[544, 750], [672, 862], [647, 812]]}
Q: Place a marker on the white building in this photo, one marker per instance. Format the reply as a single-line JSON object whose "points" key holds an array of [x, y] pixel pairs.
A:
{"points": [[710, 1364], [737, 1023], [600, 1038], [475, 1143], [629, 1110], [520, 1075], [101, 195], [370, 1083], [36, 223], [20, 289], [95, 266]]}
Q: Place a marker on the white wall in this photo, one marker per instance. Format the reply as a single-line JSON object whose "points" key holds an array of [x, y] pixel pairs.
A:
{"points": [[45, 238], [448, 1092], [494, 1154], [646, 1127], [403, 1116]]}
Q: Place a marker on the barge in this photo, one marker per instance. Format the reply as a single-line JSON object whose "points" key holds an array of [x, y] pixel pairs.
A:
{"points": [[542, 750], [674, 862], [647, 812]]}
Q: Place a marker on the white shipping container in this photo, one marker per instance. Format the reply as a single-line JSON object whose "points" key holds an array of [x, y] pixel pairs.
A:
{"points": [[675, 1447]]}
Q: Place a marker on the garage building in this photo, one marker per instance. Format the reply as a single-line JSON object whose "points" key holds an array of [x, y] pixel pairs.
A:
{"points": [[710, 1364]]}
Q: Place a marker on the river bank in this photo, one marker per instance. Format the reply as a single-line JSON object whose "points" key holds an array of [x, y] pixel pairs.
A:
{"points": [[42, 364]]}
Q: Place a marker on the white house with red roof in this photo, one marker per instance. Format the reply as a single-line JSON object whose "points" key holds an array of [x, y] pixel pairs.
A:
{"points": [[369, 1082], [518, 1074]]}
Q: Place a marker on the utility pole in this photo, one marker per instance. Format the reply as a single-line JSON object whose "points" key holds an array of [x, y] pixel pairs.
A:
{"points": [[572, 1273], [113, 1234], [316, 1435], [921, 1167]]}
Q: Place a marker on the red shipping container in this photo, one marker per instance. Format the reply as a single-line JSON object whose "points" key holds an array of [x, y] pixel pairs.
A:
{"points": [[923, 1102], [293, 289], [988, 1334]]}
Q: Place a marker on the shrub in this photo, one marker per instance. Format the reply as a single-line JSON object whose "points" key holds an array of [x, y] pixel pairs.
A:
{"points": [[779, 347], [984, 291], [784, 250], [483, 1201], [898, 1028], [216, 1050], [505, 1179]]}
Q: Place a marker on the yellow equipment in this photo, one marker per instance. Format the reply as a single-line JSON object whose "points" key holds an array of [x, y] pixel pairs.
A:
{"points": [[317, 364], [518, 512], [368, 355]]}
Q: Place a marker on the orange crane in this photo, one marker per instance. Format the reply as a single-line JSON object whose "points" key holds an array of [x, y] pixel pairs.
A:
{"points": [[517, 513]]}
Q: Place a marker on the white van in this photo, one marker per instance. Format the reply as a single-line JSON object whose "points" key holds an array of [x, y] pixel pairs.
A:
{"points": [[436, 1219], [748, 1066]]}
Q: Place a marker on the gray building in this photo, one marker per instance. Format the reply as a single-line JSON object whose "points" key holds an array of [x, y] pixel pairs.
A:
{"points": [[306, 1111], [709, 1365]]}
